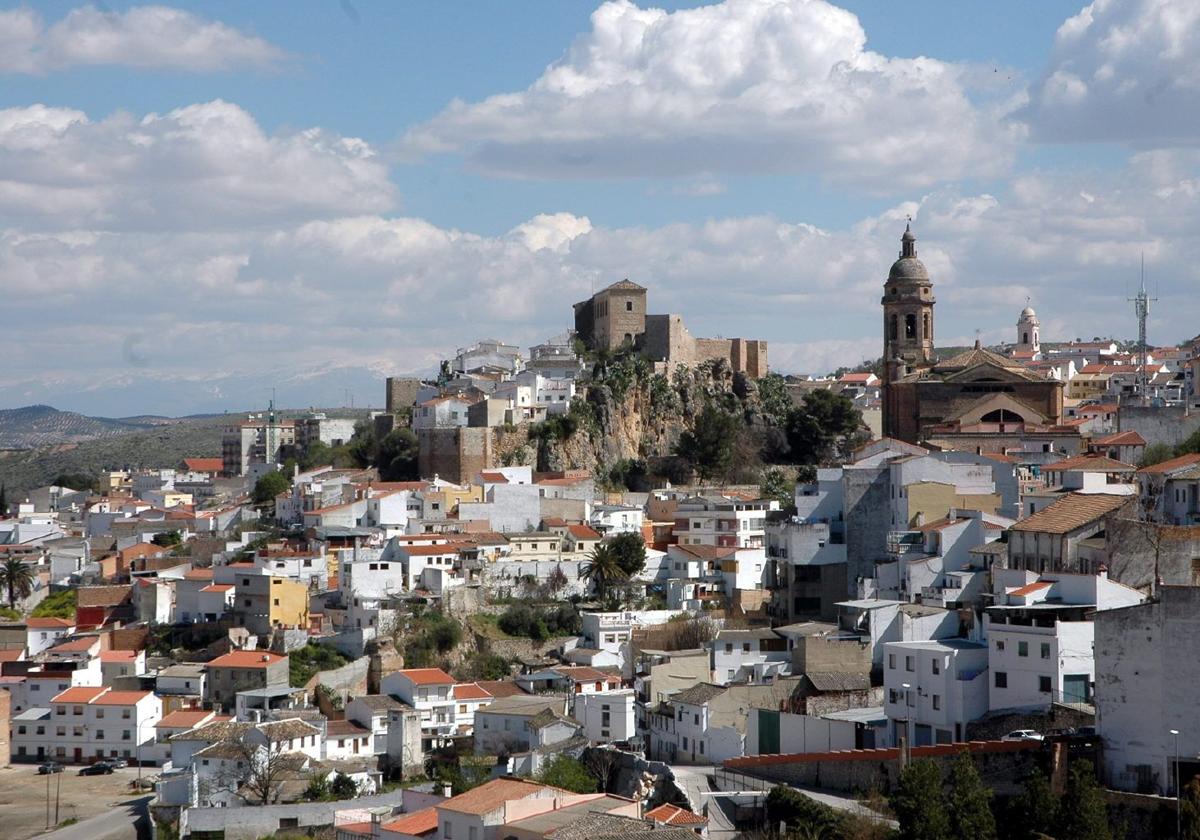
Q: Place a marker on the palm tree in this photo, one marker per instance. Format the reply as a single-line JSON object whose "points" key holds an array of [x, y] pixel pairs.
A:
{"points": [[603, 568], [17, 577]]}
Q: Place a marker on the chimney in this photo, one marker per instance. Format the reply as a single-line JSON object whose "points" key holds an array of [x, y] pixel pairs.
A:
{"points": [[446, 790]]}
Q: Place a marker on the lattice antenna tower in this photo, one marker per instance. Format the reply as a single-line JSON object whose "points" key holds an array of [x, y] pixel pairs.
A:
{"points": [[1141, 308]]}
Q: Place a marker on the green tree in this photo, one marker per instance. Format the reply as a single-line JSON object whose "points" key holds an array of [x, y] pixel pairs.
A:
{"points": [[1156, 453], [75, 481], [708, 445], [603, 569], [918, 804], [343, 787], [775, 399], [1082, 812], [800, 813], [167, 539], [396, 457], [16, 576], [1034, 812], [269, 486], [630, 550], [363, 447], [817, 427], [970, 801], [1191, 444], [775, 484], [569, 774]]}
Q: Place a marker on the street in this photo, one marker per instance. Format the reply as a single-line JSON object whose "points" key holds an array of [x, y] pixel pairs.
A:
{"points": [[696, 783], [105, 806]]}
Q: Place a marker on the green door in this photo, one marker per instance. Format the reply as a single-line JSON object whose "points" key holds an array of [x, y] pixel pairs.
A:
{"points": [[1076, 689], [768, 732]]}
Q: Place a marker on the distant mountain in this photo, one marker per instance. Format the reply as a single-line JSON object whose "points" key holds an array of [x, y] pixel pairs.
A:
{"points": [[149, 393], [35, 426]]}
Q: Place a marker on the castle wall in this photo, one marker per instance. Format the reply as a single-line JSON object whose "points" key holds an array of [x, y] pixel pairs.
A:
{"points": [[401, 393], [456, 455]]}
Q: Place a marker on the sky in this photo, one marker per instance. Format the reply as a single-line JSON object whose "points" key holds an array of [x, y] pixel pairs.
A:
{"points": [[203, 194]]}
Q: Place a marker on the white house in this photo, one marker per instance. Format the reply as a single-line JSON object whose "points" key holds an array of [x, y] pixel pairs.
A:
{"points": [[44, 633], [1040, 634], [441, 413], [431, 692], [933, 689], [86, 723], [522, 723], [607, 717], [756, 655]]}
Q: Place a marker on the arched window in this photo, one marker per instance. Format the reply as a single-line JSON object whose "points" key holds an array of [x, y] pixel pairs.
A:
{"points": [[1024, 338], [910, 326], [925, 335], [895, 328], [1002, 415]]}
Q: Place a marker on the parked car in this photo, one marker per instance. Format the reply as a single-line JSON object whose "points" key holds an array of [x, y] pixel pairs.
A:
{"points": [[117, 763], [100, 768], [1086, 732], [49, 767], [1023, 735]]}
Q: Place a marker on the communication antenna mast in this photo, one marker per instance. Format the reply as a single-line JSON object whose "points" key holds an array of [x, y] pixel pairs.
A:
{"points": [[1141, 307]]}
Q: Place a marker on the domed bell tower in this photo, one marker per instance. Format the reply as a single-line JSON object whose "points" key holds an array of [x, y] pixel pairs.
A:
{"points": [[907, 313]]}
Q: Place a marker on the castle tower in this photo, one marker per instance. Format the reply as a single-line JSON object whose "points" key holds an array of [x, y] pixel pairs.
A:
{"points": [[907, 324], [1029, 330]]}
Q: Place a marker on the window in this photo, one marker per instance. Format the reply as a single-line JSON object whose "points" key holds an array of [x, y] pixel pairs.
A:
{"points": [[999, 644], [685, 743], [701, 748], [1044, 685], [696, 720], [910, 325], [628, 306], [745, 647], [729, 647], [100, 734], [908, 663], [1001, 679], [61, 731], [937, 666], [937, 702], [473, 833], [1022, 648], [100, 714], [891, 662], [1045, 650]]}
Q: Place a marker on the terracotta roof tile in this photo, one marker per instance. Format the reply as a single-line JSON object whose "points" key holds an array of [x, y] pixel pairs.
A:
{"points": [[427, 676], [471, 691], [246, 659], [667, 814], [417, 823], [492, 795], [1163, 467], [1070, 512]]}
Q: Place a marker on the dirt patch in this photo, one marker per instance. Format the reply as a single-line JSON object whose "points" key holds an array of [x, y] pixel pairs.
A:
{"points": [[23, 797]]}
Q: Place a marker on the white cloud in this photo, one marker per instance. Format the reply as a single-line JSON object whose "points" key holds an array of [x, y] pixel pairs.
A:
{"points": [[1125, 71], [744, 85], [201, 166], [150, 37]]}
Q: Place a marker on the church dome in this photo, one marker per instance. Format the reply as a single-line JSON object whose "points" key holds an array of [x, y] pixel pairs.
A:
{"points": [[908, 267], [1028, 312]]}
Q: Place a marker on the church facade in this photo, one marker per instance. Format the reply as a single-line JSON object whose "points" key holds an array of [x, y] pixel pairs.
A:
{"points": [[976, 389]]}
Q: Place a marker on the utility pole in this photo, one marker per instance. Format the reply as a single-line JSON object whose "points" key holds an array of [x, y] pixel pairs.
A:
{"points": [[48, 775], [57, 795]]}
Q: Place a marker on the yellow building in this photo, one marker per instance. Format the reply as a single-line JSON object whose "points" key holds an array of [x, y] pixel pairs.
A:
{"points": [[929, 501]]}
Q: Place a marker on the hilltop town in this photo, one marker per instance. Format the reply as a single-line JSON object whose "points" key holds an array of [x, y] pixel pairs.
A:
{"points": [[631, 581]]}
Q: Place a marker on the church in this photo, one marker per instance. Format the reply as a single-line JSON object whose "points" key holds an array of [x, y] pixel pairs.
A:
{"points": [[971, 389]]}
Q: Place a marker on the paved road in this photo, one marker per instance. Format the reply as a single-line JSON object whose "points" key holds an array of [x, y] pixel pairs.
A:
{"points": [[128, 821], [696, 782]]}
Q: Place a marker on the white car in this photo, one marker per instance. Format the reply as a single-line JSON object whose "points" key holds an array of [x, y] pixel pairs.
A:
{"points": [[1023, 735]]}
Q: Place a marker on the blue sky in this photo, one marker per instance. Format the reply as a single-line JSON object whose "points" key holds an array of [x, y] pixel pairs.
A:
{"points": [[207, 190]]}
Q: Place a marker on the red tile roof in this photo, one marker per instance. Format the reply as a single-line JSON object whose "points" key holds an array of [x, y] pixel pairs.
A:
{"points": [[417, 823], [1171, 465], [188, 719], [49, 623], [1089, 462], [492, 795], [217, 587], [583, 532], [80, 694], [198, 574], [246, 659], [122, 698], [667, 814], [471, 691], [204, 464], [1130, 438], [427, 676], [1030, 588], [82, 645], [118, 655]]}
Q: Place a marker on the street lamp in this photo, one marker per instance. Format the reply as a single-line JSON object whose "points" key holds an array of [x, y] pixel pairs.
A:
{"points": [[907, 746], [1178, 793]]}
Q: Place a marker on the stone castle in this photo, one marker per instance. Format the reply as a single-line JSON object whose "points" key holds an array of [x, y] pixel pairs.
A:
{"points": [[616, 317]]}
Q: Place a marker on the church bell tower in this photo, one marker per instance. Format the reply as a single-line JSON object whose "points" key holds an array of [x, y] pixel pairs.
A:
{"points": [[907, 327]]}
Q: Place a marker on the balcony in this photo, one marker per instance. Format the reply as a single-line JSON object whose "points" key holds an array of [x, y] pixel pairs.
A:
{"points": [[905, 542]]}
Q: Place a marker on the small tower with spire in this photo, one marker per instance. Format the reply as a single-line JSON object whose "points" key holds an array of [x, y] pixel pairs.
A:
{"points": [[1029, 338]]}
